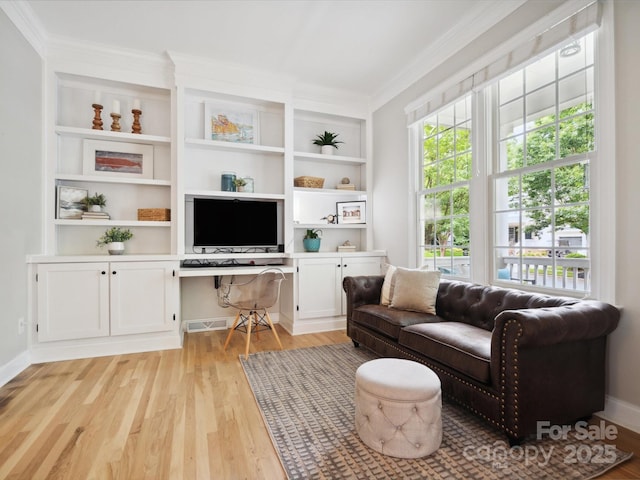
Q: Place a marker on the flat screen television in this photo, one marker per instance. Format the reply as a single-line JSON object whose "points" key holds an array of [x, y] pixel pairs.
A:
{"points": [[225, 223]]}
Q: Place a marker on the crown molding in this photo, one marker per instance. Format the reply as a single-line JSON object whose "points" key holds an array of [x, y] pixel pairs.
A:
{"points": [[109, 63], [231, 79], [476, 22], [22, 16]]}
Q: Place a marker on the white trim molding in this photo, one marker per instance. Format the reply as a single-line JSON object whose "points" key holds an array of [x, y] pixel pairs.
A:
{"points": [[621, 413], [25, 20], [14, 367]]}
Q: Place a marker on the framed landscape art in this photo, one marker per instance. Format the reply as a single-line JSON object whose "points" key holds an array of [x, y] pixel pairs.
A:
{"points": [[117, 159], [229, 124], [70, 202]]}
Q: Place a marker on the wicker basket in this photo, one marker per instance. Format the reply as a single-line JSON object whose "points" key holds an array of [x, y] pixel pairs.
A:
{"points": [[308, 182], [154, 214]]}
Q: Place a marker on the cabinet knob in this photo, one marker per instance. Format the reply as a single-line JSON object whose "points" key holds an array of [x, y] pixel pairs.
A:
{"points": [[104, 273], [344, 265], [114, 272]]}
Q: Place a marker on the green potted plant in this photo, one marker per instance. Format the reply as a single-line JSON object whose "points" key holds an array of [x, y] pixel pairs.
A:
{"points": [[327, 142], [95, 202], [311, 240], [114, 239], [239, 183]]}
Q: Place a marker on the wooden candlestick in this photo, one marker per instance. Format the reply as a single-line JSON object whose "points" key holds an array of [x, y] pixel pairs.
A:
{"points": [[97, 121], [136, 128], [115, 124]]}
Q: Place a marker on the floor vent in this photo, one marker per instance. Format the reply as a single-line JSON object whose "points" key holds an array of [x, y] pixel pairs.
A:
{"points": [[204, 325]]}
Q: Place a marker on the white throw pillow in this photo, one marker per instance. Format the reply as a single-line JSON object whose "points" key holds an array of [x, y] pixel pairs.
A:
{"points": [[387, 286], [415, 290]]}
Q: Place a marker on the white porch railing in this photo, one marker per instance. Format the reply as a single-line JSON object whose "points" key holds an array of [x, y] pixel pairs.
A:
{"points": [[570, 273]]}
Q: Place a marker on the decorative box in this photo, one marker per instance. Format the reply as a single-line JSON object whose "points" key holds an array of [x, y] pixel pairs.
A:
{"points": [[346, 248], [154, 214]]}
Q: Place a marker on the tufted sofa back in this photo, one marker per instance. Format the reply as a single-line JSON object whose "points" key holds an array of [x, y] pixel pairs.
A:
{"points": [[479, 305]]}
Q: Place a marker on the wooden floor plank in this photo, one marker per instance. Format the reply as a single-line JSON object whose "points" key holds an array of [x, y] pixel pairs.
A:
{"points": [[175, 414]]}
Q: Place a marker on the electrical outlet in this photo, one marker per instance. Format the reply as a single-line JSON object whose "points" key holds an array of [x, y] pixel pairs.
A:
{"points": [[21, 326]]}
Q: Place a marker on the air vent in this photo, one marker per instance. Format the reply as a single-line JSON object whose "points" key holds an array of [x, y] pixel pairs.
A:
{"points": [[204, 325]]}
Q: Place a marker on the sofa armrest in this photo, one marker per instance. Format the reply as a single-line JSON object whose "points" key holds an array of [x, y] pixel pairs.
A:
{"points": [[536, 327], [549, 363], [362, 290]]}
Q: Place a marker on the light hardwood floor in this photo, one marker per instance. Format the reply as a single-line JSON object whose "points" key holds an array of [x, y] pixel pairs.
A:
{"points": [[175, 414]]}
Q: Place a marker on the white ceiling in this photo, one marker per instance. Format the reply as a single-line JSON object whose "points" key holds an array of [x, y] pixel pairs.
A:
{"points": [[363, 46]]}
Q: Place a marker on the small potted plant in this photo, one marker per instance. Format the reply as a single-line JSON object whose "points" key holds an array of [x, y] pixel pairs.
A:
{"points": [[311, 240], [95, 202], [114, 239], [239, 183], [327, 142]]}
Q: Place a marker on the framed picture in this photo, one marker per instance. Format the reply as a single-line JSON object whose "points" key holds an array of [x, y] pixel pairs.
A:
{"points": [[229, 124], [117, 159], [352, 212], [70, 202]]}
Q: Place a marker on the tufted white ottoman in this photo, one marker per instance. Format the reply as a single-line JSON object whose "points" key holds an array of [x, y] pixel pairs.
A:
{"points": [[398, 407]]}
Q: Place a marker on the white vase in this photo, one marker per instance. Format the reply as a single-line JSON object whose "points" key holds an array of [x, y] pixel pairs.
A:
{"points": [[115, 248], [327, 149], [95, 208]]}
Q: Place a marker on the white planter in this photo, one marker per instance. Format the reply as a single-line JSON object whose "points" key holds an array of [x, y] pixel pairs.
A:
{"points": [[95, 208], [327, 149], [115, 248]]}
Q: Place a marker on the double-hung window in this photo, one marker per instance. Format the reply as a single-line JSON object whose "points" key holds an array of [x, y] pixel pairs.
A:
{"points": [[538, 137], [443, 201], [545, 143]]}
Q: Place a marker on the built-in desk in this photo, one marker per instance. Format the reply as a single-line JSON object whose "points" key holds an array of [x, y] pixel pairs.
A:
{"points": [[235, 270]]}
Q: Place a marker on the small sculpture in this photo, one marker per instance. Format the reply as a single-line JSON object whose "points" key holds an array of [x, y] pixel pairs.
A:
{"points": [[331, 218]]}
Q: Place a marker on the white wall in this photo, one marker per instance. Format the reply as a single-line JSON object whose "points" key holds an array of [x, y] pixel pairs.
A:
{"points": [[390, 185], [624, 354], [390, 136], [20, 197]]}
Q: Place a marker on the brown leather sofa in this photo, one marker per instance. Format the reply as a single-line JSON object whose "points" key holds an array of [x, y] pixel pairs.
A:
{"points": [[513, 358]]}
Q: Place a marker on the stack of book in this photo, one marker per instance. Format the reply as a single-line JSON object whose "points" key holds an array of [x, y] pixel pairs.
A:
{"points": [[95, 216], [346, 186]]}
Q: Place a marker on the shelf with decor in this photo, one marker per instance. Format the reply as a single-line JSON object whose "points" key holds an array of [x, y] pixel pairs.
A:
{"points": [[220, 194], [233, 149], [112, 223], [131, 167], [220, 145], [227, 134], [323, 182], [88, 133]]}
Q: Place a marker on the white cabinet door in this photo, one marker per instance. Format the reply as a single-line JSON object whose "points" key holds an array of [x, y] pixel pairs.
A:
{"points": [[355, 266], [142, 297], [73, 301], [318, 293]]}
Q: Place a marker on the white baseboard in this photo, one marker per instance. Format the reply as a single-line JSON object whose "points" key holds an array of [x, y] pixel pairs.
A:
{"points": [[315, 325], [621, 413], [14, 367], [102, 347]]}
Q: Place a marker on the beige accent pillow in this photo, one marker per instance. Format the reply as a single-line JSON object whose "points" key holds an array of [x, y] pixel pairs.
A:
{"points": [[387, 286], [415, 290]]}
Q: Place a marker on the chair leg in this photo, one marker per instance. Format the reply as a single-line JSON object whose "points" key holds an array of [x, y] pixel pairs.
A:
{"points": [[233, 329], [246, 352], [273, 328], [256, 323]]}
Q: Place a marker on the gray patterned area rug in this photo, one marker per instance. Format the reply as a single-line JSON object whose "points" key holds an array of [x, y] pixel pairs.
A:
{"points": [[306, 399]]}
